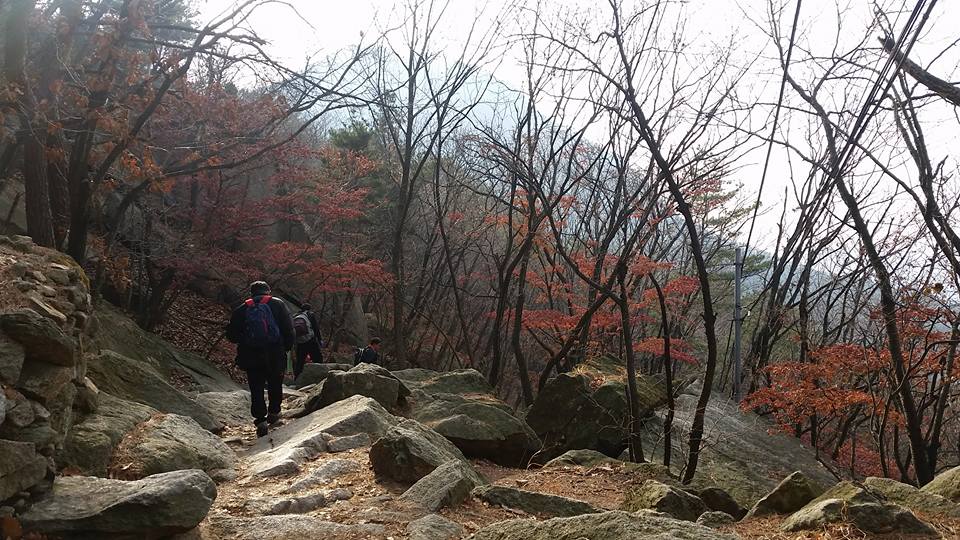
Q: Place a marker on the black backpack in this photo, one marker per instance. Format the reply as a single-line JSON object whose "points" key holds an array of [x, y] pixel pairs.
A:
{"points": [[358, 355]]}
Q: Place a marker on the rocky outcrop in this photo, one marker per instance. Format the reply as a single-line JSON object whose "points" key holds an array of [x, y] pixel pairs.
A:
{"points": [[89, 446], [603, 526], [653, 495], [150, 350], [464, 382], [289, 446], [532, 502], [314, 373], [324, 474], [848, 503], [409, 451], [363, 380], [790, 495], [136, 380], [946, 485], [569, 415], [448, 485], [170, 442], [434, 527], [739, 453], [299, 504], [155, 507], [908, 496]]}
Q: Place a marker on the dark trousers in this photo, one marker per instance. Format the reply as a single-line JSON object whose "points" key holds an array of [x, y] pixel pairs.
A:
{"points": [[311, 348], [268, 377]]}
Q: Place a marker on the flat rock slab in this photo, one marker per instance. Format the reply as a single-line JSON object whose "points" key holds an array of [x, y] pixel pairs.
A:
{"points": [[228, 408], [533, 502], [946, 485], [289, 446], [289, 527], [155, 507], [913, 498], [604, 526], [324, 474], [299, 505]]}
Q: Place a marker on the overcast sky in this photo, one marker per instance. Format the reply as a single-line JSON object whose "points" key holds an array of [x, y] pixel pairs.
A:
{"points": [[312, 28]]}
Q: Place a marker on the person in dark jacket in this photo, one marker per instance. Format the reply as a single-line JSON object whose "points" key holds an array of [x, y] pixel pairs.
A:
{"points": [[264, 365], [371, 353], [311, 342]]}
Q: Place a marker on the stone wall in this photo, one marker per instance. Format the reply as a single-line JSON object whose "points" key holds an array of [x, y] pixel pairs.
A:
{"points": [[45, 321]]}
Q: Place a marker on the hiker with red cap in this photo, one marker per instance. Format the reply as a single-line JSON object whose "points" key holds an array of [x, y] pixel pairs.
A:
{"points": [[263, 331]]}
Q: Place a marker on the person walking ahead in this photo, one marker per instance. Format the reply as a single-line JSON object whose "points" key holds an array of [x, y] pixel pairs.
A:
{"points": [[263, 331], [308, 339]]}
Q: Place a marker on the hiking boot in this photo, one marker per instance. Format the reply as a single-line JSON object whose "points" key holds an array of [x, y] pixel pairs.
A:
{"points": [[262, 428], [273, 419]]}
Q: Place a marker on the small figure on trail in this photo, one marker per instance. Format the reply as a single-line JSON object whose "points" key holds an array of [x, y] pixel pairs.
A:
{"points": [[369, 354], [308, 339], [263, 331]]}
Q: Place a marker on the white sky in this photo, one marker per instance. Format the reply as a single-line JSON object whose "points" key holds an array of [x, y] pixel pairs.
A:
{"points": [[312, 28]]}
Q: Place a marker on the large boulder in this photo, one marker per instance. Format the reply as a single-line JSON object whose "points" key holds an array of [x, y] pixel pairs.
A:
{"points": [[409, 451], [362, 380], [289, 446], [314, 373], [569, 415], [533, 502], [908, 496], [790, 495], [155, 507], [479, 425], [20, 467], [228, 408], [285, 527], [946, 485], [654, 495], [137, 381], [739, 454], [448, 485], [849, 503], [89, 446], [170, 442], [603, 526]]}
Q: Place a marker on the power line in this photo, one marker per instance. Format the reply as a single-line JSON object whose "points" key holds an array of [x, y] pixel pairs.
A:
{"points": [[773, 130]]}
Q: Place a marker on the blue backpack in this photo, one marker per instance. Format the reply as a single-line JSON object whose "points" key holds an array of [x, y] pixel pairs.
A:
{"points": [[260, 329]]}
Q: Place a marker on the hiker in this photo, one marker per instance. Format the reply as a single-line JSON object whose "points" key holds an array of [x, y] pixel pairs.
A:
{"points": [[369, 354], [263, 331], [308, 339]]}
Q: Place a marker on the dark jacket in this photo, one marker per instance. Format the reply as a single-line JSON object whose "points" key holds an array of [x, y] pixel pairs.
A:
{"points": [[315, 326], [246, 355], [369, 356]]}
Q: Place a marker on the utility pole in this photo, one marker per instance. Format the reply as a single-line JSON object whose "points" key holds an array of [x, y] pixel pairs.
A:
{"points": [[737, 320]]}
